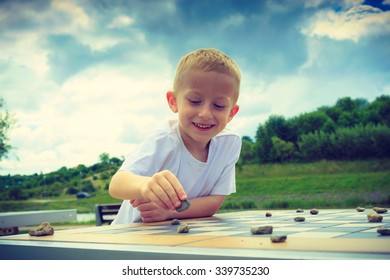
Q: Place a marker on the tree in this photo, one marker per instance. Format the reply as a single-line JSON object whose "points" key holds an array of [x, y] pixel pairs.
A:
{"points": [[6, 122], [275, 126], [282, 150], [247, 150], [378, 111], [104, 159], [312, 122]]}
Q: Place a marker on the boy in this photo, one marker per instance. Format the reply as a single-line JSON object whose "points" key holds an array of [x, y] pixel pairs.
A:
{"points": [[194, 157]]}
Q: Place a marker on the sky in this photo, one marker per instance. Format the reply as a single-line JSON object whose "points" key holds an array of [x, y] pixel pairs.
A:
{"points": [[83, 78]]}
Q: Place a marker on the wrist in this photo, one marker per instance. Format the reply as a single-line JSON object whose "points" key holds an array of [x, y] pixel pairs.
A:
{"points": [[171, 214]]}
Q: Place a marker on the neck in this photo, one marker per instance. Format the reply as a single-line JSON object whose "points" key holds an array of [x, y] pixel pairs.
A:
{"points": [[200, 153]]}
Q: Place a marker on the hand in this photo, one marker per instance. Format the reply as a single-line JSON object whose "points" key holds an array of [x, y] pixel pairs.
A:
{"points": [[150, 212], [165, 190]]}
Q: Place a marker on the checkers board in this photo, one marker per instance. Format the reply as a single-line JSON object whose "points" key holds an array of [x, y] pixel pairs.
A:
{"points": [[331, 234]]}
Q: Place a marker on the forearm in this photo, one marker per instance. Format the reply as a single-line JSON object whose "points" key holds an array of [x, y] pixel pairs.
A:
{"points": [[200, 207], [126, 185]]}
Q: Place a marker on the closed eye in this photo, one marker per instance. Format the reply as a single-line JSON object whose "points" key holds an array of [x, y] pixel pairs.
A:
{"points": [[219, 106], [194, 101]]}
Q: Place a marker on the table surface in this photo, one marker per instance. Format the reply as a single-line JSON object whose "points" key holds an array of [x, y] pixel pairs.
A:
{"points": [[331, 234]]}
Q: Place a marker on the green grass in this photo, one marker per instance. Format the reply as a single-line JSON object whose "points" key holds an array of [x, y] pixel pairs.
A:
{"points": [[325, 184], [85, 205]]}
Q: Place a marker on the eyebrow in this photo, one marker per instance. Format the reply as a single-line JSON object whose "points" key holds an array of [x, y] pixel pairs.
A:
{"points": [[192, 91]]}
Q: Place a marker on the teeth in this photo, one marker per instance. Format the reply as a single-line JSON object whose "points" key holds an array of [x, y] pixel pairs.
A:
{"points": [[203, 126]]}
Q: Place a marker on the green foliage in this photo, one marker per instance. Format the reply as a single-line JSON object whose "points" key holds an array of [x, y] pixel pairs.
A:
{"points": [[6, 123], [104, 159], [16, 193], [352, 129], [247, 151], [312, 122], [282, 150], [60, 183], [359, 142], [87, 186], [72, 191]]}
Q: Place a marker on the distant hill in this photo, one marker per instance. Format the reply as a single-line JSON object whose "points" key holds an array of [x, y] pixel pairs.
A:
{"points": [[65, 181]]}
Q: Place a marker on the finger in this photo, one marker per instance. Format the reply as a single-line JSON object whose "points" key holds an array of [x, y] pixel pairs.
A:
{"points": [[146, 206], [150, 216], [140, 201], [143, 200], [148, 219], [135, 203], [164, 190], [161, 194], [178, 188], [152, 196]]}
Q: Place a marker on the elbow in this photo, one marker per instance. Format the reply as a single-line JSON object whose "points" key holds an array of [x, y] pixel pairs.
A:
{"points": [[113, 186], [212, 211], [216, 205], [111, 190]]}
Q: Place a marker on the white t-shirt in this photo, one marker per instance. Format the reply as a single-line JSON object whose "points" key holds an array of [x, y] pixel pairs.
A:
{"points": [[165, 150]]}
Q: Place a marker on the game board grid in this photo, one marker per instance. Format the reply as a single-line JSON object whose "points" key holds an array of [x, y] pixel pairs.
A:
{"points": [[323, 225], [298, 232], [313, 234]]}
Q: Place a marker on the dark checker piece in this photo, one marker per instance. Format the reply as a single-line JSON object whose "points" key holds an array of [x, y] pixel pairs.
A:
{"points": [[184, 206]]}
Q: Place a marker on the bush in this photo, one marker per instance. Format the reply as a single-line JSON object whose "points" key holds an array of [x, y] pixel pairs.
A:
{"points": [[72, 191], [231, 205], [358, 142], [248, 204]]}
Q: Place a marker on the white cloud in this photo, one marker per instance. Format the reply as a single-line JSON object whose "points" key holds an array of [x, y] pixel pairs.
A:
{"points": [[103, 109], [232, 20], [70, 124], [79, 19], [313, 3], [351, 24], [121, 21], [22, 50]]}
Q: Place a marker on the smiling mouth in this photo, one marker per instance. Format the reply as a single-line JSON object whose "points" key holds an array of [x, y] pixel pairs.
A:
{"points": [[203, 126]]}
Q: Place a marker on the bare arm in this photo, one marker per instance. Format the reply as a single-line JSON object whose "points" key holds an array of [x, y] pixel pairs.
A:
{"points": [[126, 185], [163, 188], [200, 207]]}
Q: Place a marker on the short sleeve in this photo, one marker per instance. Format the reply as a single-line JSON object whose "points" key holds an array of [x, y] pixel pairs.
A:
{"points": [[226, 183], [150, 155]]}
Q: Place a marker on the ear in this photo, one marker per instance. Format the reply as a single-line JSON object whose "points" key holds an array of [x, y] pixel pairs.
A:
{"points": [[233, 112], [172, 101]]}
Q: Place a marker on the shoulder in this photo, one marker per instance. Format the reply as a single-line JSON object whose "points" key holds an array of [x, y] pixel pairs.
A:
{"points": [[227, 140], [166, 132], [228, 136], [148, 156], [161, 141]]}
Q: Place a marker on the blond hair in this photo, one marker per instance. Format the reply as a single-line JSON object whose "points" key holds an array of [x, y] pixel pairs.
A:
{"points": [[207, 60]]}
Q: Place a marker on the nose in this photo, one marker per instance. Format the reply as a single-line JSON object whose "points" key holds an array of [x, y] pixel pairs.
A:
{"points": [[205, 112]]}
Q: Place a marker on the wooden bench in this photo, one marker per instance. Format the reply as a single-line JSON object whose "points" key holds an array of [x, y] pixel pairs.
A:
{"points": [[105, 213]]}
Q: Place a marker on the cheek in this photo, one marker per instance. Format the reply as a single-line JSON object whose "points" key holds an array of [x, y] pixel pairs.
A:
{"points": [[185, 113], [224, 116]]}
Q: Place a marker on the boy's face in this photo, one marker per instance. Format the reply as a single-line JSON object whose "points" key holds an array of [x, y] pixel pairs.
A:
{"points": [[205, 103]]}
